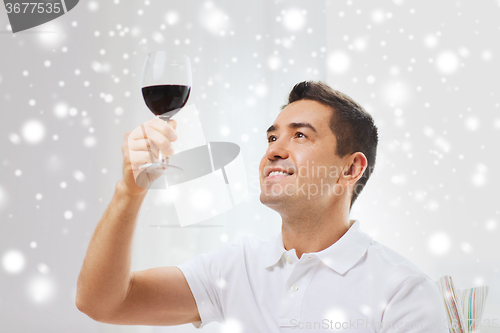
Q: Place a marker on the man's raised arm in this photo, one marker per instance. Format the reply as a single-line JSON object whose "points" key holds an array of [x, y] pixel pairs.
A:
{"points": [[107, 290]]}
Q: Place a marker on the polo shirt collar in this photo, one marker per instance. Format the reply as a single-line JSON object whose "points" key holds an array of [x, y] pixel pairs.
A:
{"points": [[340, 256]]}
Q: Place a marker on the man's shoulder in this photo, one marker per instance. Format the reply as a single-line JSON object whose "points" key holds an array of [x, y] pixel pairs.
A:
{"points": [[390, 262]]}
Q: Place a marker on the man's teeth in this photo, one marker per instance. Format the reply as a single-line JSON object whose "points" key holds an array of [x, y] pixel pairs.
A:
{"points": [[283, 173]]}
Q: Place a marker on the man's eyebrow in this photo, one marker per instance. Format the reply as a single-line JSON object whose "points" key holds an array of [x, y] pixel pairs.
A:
{"points": [[300, 125], [273, 128]]}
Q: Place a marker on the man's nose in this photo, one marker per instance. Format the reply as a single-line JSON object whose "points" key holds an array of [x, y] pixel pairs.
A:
{"points": [[277, 149]]}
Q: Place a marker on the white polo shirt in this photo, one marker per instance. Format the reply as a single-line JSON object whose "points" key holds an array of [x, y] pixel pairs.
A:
{"points": [[357, 284]]}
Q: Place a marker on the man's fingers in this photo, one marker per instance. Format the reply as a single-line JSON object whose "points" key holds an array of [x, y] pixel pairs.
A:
{"points": [[158, 140], [125, 144], [163, 127], [173, 123], [140, 158]]}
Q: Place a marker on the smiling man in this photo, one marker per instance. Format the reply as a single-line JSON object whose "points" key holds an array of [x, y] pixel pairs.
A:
{"points": [[320, 273]]}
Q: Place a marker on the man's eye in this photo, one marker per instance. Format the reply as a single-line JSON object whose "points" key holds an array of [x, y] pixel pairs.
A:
{"points": [[301, 135], [271, 138]]}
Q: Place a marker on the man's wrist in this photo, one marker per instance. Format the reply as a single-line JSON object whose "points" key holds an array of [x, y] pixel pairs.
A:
{"points": [[124, 189]]}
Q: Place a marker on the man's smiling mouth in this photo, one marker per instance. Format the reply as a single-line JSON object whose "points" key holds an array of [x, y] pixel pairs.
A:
{"points": [[277, 174]]}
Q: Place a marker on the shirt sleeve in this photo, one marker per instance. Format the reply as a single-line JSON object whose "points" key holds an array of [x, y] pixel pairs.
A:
{"points": [[416, 306], [203, 275]]}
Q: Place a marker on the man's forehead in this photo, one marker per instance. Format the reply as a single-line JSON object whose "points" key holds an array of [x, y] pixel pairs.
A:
{"points": [[303, 114]]}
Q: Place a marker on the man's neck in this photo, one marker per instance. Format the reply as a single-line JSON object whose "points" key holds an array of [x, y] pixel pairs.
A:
{"points": [[309, 232]]}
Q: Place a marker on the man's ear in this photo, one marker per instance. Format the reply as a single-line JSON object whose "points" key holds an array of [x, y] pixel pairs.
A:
{"points": [[355, 169]]}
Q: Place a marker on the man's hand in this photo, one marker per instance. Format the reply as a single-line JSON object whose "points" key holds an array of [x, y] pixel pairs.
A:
{"points": [[140, 146]]}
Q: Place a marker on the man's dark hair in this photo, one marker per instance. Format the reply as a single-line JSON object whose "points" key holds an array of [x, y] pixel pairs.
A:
{"points": [[352, 126]]}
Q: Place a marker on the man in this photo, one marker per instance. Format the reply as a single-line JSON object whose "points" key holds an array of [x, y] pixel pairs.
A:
{"points": [[322, 272]]}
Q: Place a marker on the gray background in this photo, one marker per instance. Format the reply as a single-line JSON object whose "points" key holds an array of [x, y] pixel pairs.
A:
{"points": [[70, 89]]}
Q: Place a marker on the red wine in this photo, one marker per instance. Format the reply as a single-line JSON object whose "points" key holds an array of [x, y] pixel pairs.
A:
{"points": [[166, 98]]}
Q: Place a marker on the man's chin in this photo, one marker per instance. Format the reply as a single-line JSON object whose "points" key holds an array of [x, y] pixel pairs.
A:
{"points": [[273, 200]]}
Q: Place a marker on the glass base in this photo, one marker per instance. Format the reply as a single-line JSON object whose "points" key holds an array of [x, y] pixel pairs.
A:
{"points": [[160, 169]]}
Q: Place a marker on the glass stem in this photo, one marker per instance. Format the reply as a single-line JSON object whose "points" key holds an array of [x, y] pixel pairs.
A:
{"points": [[160, 154]]}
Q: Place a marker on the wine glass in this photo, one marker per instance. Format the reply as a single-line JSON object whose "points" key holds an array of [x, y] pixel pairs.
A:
{"points": [[166, 85]]}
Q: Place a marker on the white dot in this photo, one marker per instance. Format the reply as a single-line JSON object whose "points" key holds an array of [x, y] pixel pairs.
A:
{"points": [[464, 52], [224, 238], [25, 73], [396, 93], [398, 179], [55, 35], [274, 62], [3, 198], [93, 6], [486, 55], [232, 325], [370, 79], [158, 37], [224, 131], [439, 243], [14, 138], [43, 269], [378, 16], [79, 176], [68, 215], [432, 206], [33, 131], [478, 281], [18, 172], [336, 315], [466, 247], [443, 144], [294, 19], [63, 185], [214, 20], [33, 245], [339, 62], [61, 110], [261, 90], [39, 196], [80, 205], [245, 137], [472, 123], [172, 18], [360, 44], [89, 141], [108, 98], [490, 225], [73, 112], [479, 176], [430, 41], [13, 261], [41, 289], [447, 62]]}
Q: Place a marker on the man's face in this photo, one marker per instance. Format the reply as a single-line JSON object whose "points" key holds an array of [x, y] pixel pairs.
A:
{"points": [[302, 144]]}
